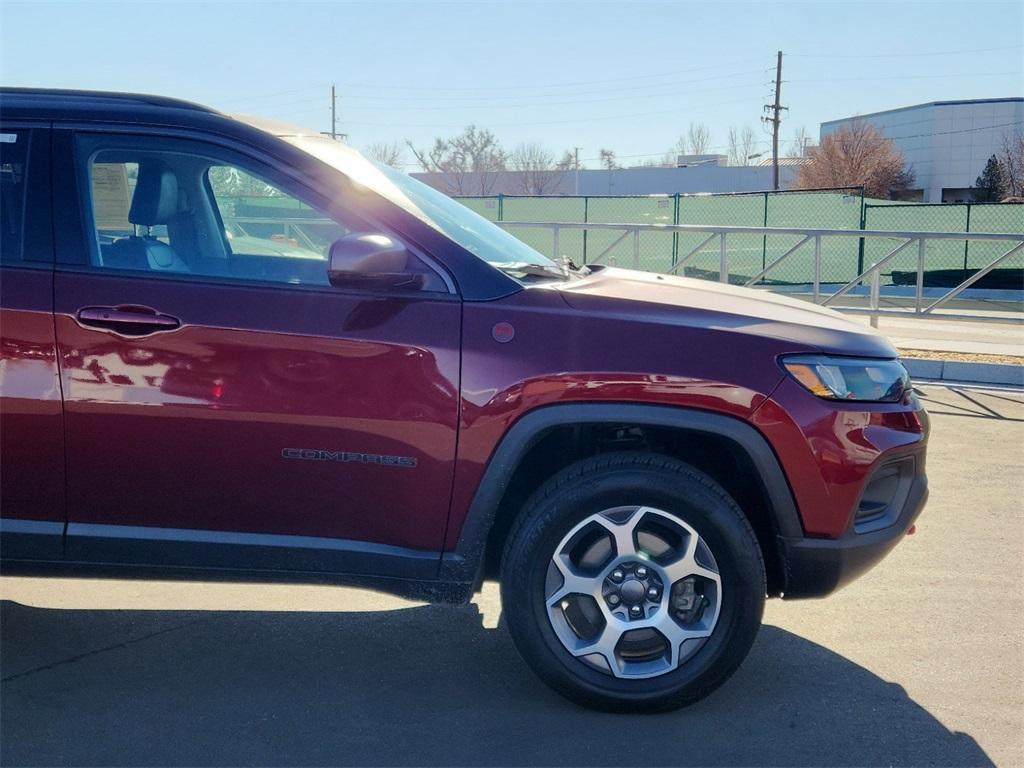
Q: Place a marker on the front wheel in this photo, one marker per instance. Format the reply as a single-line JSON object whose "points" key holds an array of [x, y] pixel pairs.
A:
{"points": [[632, 582]]}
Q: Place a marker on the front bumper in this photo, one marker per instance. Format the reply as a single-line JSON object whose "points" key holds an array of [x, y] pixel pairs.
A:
{"points": [[816, 567]]}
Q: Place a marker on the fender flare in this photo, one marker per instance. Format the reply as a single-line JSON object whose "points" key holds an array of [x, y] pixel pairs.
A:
{"points": [[463, 564]]}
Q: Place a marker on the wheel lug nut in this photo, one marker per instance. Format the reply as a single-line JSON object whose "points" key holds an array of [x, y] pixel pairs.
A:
{"points": [[641, 572], [613, 599], [636, 610], [653, 593], [617, 575]]}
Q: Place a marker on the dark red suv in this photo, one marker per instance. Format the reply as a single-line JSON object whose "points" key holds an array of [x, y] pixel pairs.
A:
{"points": [[243, 351]]}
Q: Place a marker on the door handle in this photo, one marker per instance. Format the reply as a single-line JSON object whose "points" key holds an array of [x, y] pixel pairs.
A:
{"points": [[127, 320]]}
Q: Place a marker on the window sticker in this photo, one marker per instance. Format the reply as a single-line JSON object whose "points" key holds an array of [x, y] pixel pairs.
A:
{"points": [[8, 138], [110, 196]]}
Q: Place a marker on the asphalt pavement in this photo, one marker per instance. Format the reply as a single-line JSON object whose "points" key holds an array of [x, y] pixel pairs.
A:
{"points": [[918, 663]]}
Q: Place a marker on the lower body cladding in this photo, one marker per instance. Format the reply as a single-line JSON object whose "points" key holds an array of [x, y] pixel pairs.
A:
{"points": [[893, 497], [33, 548]]}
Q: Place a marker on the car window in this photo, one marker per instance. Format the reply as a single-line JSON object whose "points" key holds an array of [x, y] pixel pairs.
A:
{"points": [[175, 208], [260, 220], [13, 175], [476, 234], [112, 187]]}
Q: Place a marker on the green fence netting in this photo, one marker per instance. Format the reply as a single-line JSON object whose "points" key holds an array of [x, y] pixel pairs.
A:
{"points": [[953, 259], [842, 258]]}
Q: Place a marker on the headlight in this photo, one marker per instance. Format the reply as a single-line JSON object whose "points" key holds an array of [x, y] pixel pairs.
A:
{"points": [[849, 378]]}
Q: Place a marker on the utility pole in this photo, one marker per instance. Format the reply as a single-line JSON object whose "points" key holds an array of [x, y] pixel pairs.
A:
{"points": [[775, 112], [576, 163], [333, 133], [334, 113]]}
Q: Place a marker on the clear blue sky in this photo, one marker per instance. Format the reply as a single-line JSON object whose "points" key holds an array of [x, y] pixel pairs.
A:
{"points": [[628, 76]]}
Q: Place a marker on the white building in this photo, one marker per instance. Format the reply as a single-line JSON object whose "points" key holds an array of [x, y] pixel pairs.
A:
{"points": [[946, 142], [692, 177]]}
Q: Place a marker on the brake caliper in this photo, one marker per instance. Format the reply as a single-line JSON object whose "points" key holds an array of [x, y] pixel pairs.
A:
{"points": [[687, 604]]}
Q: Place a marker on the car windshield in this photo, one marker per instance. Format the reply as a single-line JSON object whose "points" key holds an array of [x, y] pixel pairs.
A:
{"points": [[470, 230]]}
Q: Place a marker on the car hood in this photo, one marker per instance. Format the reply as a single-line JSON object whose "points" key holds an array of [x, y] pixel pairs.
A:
{"points": [[706, 304]]}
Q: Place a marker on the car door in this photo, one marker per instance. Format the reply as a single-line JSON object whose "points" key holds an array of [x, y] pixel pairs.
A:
{"points": [[31, 421], [225, 405]]}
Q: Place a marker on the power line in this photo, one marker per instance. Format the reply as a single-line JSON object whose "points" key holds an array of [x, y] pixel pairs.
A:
{"points": [[261, 96], [548, 122], [515, 105], [546, 99], [901, 55], [555, 97], [278, 105], [544, 85], [888, 78]]}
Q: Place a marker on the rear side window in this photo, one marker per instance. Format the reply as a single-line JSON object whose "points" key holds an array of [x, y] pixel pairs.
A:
{"points": [[13, 186]]}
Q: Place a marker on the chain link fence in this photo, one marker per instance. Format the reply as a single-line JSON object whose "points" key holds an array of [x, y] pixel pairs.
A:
{"points": [[947, 263], [842, 208]]}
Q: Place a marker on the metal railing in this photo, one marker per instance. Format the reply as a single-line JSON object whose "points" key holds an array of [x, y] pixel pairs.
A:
{"points": [[871, 275]]}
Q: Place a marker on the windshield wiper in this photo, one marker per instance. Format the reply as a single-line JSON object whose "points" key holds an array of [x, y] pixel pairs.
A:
{"points": [[533, 270], [575, 269]]}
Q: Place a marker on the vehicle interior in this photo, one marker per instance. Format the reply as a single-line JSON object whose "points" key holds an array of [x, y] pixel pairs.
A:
{"points": [[177, 213]]}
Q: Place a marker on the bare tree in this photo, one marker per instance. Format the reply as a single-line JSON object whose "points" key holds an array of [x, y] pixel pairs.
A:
{"points": [[387, 152], [1011, 156], [538, 174], [857, 155], [667, 160], [608, 161], [735, 156], [468, 162], [741, 145], [529, 156], [799, 143], [698, 139], [748, 143], [567, 162], [441, 159]]}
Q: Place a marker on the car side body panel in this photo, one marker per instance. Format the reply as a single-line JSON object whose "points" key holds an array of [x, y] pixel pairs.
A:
{"points": [[31, 425], [31, 414], [269, 411], [560, 355]]}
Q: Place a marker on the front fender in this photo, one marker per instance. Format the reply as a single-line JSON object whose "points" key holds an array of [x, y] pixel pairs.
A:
{"points": [[462, 562]]}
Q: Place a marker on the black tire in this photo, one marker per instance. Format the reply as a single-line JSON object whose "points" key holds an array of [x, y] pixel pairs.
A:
{"points": [[605, 482]]}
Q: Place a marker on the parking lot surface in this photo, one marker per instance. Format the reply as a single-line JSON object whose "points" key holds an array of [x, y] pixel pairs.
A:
{"points": [[918, 663]]}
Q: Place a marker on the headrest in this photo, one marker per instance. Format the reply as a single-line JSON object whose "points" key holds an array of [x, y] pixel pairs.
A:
{"points": [[155, 200]]}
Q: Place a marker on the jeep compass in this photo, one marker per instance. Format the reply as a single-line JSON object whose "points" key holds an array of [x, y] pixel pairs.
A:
{"points": [[233, 349]]}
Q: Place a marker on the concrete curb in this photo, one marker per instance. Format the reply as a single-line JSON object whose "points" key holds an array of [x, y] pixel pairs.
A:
{"points": [[956, 370]]}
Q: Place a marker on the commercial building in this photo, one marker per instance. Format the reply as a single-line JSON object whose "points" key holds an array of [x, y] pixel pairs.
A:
{"points": [[946, 142]]}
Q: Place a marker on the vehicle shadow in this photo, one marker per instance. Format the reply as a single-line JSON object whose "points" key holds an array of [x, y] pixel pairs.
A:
{"points": [[972, 402], [416, 686]]}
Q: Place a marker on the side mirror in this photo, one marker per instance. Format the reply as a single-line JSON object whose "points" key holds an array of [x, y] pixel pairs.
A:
{"points": [[371, 260]]}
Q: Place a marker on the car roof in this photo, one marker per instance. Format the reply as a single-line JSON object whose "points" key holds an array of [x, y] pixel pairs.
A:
{"points": [[77, 101], [133, 108]]}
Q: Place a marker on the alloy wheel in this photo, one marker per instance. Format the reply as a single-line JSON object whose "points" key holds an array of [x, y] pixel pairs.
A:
{"points": [[633, 591]]}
